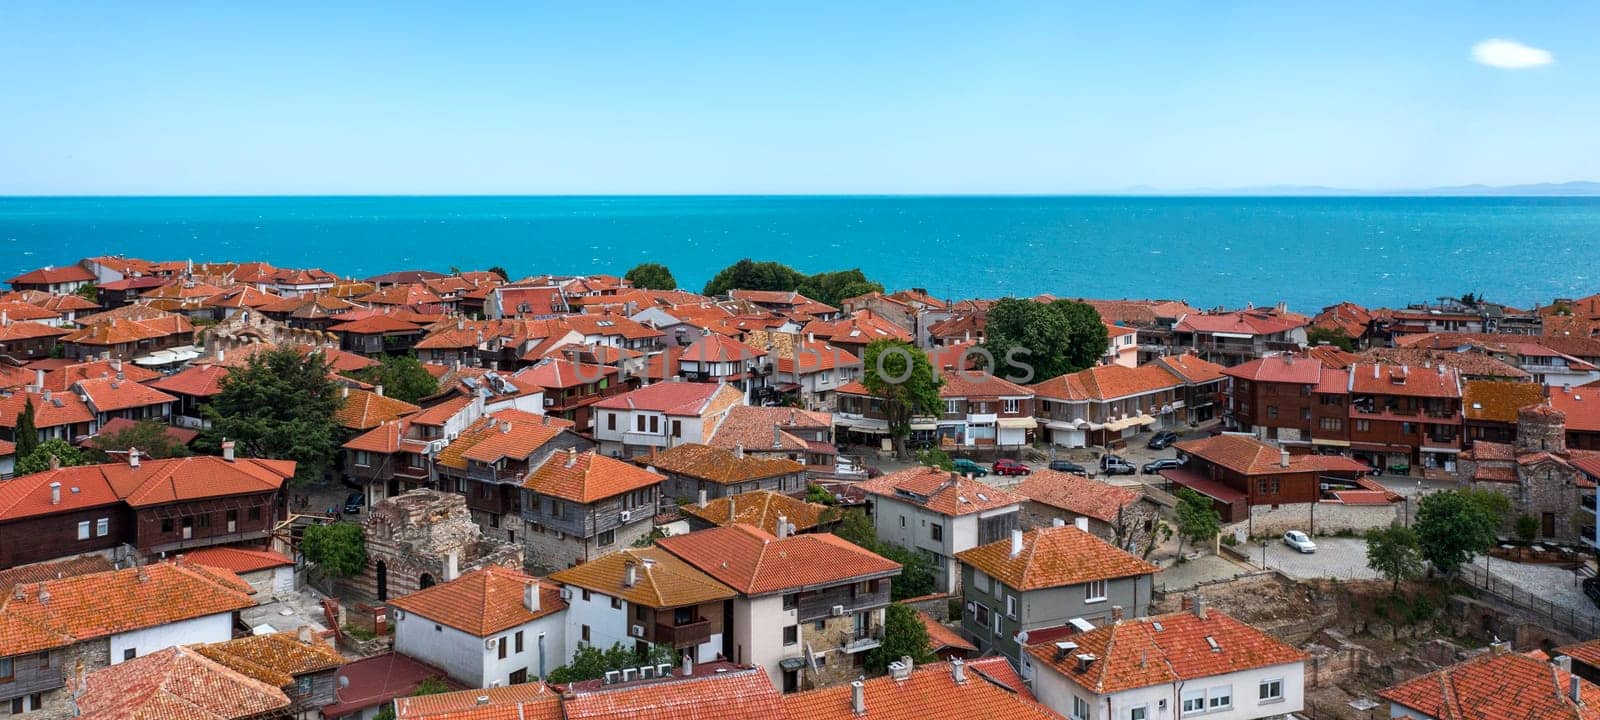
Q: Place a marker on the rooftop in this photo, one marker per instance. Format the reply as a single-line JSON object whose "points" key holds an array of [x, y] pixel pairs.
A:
{"points": [[755, 562], [483, 602], [940, 491], [661, 579], [1053, 557]]}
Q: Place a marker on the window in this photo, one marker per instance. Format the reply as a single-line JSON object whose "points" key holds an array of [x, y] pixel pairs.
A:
{"points": [[501, 648], [1094, 591], [902, 521], [1305, 413], [936, 531], [129, 654], [16, 706], [1363, 425], [44, 660], [6, 670], [166, 525], [980, 580], [824, 376], [655, 424], [302, 686], [791, 635], [1080, 708], [639, 423], [586, 596], [585, 633], [1267, 486], [1332, 423], [997, 619], [1011, 606], [1011, 405], [1194, 701], [1139, 713], [102, 527], [952, 407], [790, 601], [611, 421], [1220, 698], [255, 514], [362, 458], [1272, 411], [677, 428], [83, 530], [616, 604], [1270, 690], [606, 538]]}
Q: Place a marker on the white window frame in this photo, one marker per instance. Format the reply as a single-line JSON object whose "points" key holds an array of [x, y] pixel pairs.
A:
{"points": [[1223, 693], [1276, 696], [952, 407], [1080, 708], [1012, 405], [1139, 712], [1011, 606], [1089, 591], [1195, 696], [980, 580], [102, 527], [998, 625], [83, 530]]}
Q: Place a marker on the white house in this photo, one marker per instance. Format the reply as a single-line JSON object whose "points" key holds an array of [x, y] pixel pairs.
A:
{"points": [[641, 597], [940, 513], [269, 572], [1190, 664], [487, 628], [660, 416]]}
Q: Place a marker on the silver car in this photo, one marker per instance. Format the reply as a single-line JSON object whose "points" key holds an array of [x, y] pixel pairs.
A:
{"points": [[1299, 541]]}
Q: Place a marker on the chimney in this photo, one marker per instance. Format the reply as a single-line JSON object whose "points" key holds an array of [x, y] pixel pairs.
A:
{"points": [[304, 634], [483, 699], [38, 379], [777, 437], [1081, 523], [1562, 663], [1057, 522], [1288, 358], [55, 492], [783, 527], [1016, 542], [630, 573], [530, 596], [738, 451], [1499, 647], [116, 365], [1283, 457], [858, 697], [55, 462], [905, 662], [378, 389], [1116, 613], [572, 457], [1574, 690], [702, 498], [1199, 606], [958, 670], [688, 665], [227, 450], [452, 565]]}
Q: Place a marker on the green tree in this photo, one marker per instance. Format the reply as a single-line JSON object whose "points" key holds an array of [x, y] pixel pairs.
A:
{"points": [[38, 459], [900, 375], [904, 635], [936, 457], [90, 292], [748, 274], [818, 494], [339, 549], [1331, 336], [917, 575], [1031, 341], [651, 276], [834, 287], [1198, 520], [496, 269], [280, 405], [429, 686], [590, 662], [403, 377], [27, 435], [1526, 527], [150, 437], [1454, 525], [1394, 553]]}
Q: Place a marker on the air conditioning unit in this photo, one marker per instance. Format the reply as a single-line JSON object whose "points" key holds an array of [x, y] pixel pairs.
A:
{"points": [[838, 610], [488, 644], [627, 515], [549, 402], [972, 608], [636, 631], [566, 593]]}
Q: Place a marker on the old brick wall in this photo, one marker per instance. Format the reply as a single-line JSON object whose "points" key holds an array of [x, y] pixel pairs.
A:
{"points": [[1324, 518]]}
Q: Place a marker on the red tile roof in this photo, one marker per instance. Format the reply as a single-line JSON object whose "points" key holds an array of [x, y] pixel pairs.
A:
{"points": [[1242, 322], [182, 436], [1107, 382], [1381, 379], [736, 695], [941, 637], [378, 324], [1580, 405], [154, 482], [1164, 649], [940, 491], [1284, 368], [759, 508], [483, 602], [119, 601], [662, 580], [560, 373], [1077, 494], [50, 409], [48, 275], [718, 465], [1495, 685], [672, 398], [587, 477], [237, 560], [1499, 400], [63, 377], [364, 410], [992, 691], [1053, 557], [1249, 456], [719, 349], [375, 680], [176, 683], [110, 394], [201, 381], [274, 658], [754, 562], [525, 701], [1192, 368], [968, 384], [506, 434]]}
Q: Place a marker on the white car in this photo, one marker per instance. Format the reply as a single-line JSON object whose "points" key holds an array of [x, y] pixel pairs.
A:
{"points": [[1299, 541]]}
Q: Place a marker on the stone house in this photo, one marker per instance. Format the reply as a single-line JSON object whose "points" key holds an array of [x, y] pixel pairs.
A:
{"points": [[420, 538], [577, 507], [301, 664], [1541, 476], [488, 462]]}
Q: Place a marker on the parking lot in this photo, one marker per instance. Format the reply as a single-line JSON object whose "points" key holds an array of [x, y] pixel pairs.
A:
{"points": [[1336, 557]]}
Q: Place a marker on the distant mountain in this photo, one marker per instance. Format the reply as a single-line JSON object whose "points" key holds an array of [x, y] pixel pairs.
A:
{"points": [[1577, 188]]}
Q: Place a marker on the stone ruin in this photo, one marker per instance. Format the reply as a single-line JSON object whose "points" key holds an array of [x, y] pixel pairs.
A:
{"points": [[420, 538]]}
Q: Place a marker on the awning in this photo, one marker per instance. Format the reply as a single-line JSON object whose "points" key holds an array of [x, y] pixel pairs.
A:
{"points": [[182, 353], [1125, 423], [1203, 485], [1330, 443], [1026, 423], [925, 426]]}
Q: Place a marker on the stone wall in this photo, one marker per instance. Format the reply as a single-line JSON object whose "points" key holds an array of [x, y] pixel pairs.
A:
{"points": [[546, 550], [840, 667], [423, 533], [1322, 518]]}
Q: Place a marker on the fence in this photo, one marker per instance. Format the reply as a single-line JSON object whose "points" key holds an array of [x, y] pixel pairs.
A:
{"points": [[1564, 618]]}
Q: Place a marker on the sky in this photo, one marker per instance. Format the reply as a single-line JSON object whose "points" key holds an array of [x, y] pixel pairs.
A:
{"points": [[160, 98]]}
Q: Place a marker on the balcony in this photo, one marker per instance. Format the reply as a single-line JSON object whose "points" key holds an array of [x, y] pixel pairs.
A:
{"points": [[855, 641], [644, 438], [683, 636], [1587, 503]]}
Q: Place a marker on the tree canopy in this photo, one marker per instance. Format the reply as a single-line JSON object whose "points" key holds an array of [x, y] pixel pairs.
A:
{"points": [[904, 635], [1197, 520], [496, 269], [916, 574], [827, 287], [1031, 341], [149, 436], [38, 459], [651, 276], [27, 434], [339, 549], [1455, 525], [901, 376], [402, 376], [1394, 553], [280, 405], [1331, 336]]}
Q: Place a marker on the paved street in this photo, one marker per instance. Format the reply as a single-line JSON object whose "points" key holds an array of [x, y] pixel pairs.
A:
{"points": [[1342, 558]]}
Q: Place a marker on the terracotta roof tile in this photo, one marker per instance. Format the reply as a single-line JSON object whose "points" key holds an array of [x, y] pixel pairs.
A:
{"points": [[940, 491], [1077, 494], [50, 409], [1283, 368], [1250, 456], [755, 562], [483, 602], [1495, 685], [54, 570], [236, 559], [506, 434], [275, 658], [672, 398], [53, 275], [760, 508], [1580, 405], [1053, 557], [200, 381], [1107, 382], [100, 604], [1135, 654], [736, 695], [177, 683], [375, 680], [663, 580], [753, 426], [524, 701], [718, 465], [941, 637], [110, 394], [587, 477], [364, 410], [992, 691], [1499, 400]]}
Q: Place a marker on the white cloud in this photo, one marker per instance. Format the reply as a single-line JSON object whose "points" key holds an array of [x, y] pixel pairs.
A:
{"points": [[1510, 54]]}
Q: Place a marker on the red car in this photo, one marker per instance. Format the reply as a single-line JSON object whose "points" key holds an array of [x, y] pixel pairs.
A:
{"points": [[1009, 467]]}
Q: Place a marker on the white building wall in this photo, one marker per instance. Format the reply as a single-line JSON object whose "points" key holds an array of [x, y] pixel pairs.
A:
{"points": [[758, 634], [606, 624], [208, 629], [473, 660], [1056, 692]]}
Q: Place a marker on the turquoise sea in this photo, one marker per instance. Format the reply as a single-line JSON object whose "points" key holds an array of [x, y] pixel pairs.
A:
{"points": [[1309, 252]]}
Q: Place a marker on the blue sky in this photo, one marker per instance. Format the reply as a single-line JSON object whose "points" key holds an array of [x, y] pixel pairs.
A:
{"points": [[822, 97]]}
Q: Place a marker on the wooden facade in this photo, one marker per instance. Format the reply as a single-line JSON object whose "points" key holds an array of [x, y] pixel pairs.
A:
{"points": [[201, 523], [46, 537]]}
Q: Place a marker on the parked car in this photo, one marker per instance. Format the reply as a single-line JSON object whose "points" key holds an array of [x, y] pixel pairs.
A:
{"points": [[1067, 466], [1007, 466], [354, 503], [1299, 541], [1113, 465], [1159, 464], [1162, 440], [968, 467]]}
